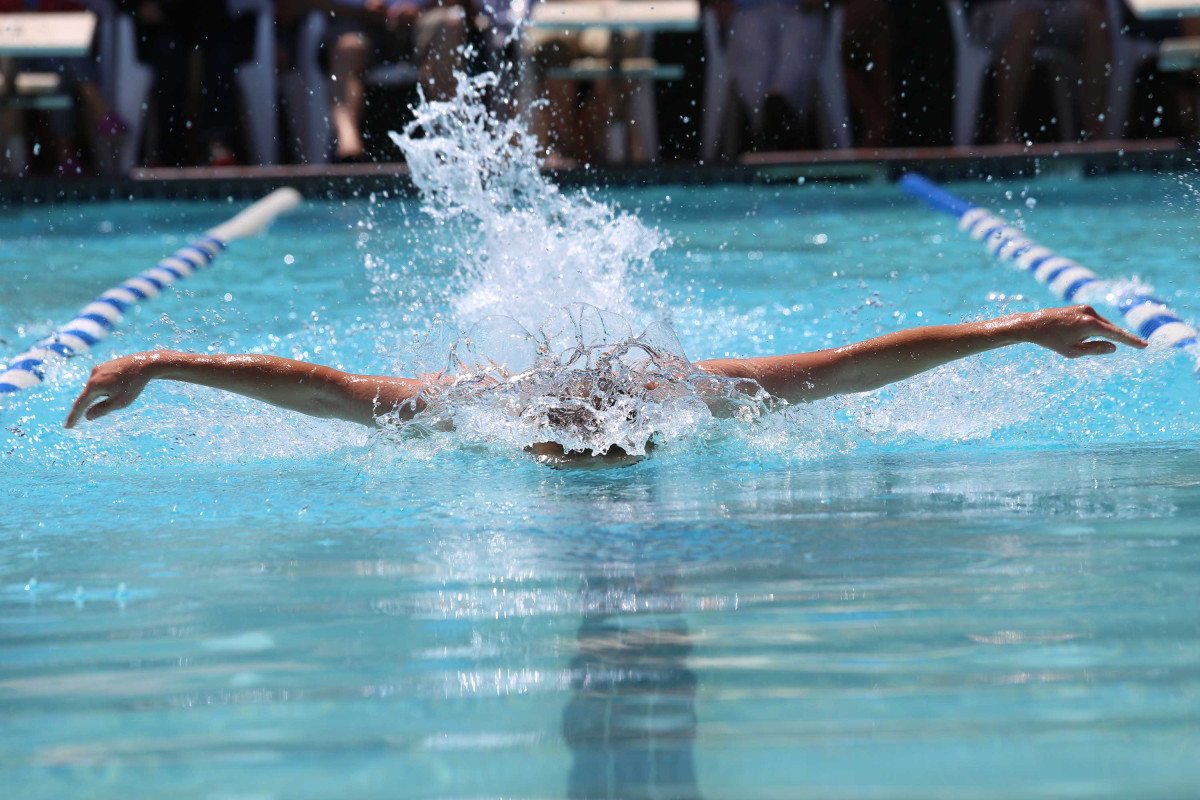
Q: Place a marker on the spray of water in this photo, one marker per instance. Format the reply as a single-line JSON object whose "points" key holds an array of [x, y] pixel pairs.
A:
{"points": [[584, 381], [547, 284], [525, 248]]}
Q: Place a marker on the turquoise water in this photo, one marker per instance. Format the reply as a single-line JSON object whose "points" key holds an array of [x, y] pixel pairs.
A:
{"points": [[981, 583]]}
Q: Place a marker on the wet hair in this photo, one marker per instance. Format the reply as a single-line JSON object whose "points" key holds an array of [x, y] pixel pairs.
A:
{"points": [[577, 412]]}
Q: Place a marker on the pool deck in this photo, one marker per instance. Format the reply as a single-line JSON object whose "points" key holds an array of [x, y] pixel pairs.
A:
{"points": [[858, 165]]}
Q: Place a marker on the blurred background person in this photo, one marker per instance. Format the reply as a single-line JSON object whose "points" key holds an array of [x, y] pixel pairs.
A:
{"points": [[364, 33], [1180, 85], [1014, 28], [571, 121], [170, 33], [867, 50]]}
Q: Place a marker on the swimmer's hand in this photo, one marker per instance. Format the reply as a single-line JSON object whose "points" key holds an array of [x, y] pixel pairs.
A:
{"points": [[1073, 331], [115, 384]]}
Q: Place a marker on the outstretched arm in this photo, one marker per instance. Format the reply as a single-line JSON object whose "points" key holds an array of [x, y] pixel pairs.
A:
{"points": [[295, 385], [886, 359]]}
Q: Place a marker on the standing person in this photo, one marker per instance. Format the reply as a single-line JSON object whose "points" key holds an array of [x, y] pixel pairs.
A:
{"points": [[868, 55], [1012, 29], [168, 33], [363, 33]]}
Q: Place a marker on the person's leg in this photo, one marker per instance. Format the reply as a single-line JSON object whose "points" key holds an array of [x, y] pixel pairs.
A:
{"points": [[217, 109], [13, 156], [868, 57], [1081, 26], [556, 117], [1021, 27], [169, 58], [63, 128], [347, 62], [1187, 102], [602, 136]]}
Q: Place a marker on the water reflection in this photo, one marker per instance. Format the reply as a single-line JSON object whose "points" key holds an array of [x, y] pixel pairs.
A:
{"points": [[631, 724]]}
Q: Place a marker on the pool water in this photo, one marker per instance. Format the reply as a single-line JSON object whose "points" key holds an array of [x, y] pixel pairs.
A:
{"points": [[980, 583]]}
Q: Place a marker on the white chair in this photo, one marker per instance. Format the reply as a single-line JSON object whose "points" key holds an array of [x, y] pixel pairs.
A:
{"points": [[1128, 53], [718, 126], [255, 79], [305, 92], [971, 63], [643, 105], [106, 29]]}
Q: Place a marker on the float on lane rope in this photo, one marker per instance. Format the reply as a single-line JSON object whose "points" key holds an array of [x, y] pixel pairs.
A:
{"points": [[95, 320], [1149, 316]]}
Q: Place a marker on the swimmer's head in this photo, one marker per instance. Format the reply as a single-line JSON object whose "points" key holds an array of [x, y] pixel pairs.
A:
{"points": [[587, 410]]}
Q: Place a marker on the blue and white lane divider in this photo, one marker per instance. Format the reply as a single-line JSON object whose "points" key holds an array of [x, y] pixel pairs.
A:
{"points": [[1150, 317], [98, 318]]}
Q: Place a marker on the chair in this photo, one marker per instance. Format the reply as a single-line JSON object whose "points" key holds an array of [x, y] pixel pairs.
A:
{"points": [[1128, 53], [971, 63], [255, 79], [718, 126], [306, 94]]}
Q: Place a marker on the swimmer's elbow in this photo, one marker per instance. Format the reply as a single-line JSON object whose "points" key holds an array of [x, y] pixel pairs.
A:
{"points": [[366, 398]]}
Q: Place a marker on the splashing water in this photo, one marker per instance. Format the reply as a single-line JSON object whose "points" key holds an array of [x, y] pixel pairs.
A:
{"points": [[525, 248], [562, 266], [584, 381]]}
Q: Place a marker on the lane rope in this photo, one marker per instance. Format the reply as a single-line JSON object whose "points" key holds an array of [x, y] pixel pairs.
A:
{"points": [[1149, 316], [99, 317]]}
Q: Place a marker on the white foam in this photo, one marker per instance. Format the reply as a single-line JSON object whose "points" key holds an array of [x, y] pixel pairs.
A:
{"points": [[524, 248]]}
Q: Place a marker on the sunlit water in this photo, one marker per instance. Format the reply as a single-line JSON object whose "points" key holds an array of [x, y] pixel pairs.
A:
{"points": [[979, 584]]}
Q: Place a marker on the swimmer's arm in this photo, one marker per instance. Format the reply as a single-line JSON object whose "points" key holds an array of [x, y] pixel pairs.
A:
{"points": [[873, 363], [295, 385]]}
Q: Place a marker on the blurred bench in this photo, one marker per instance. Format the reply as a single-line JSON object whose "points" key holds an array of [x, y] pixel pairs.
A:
{"points": [[620, 18], [1179, 55], [590, 69], [1164, 9], [46, 34], [42, 35]]}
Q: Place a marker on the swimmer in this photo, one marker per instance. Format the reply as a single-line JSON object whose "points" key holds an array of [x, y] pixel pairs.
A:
{"points": [[325, 392]]}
